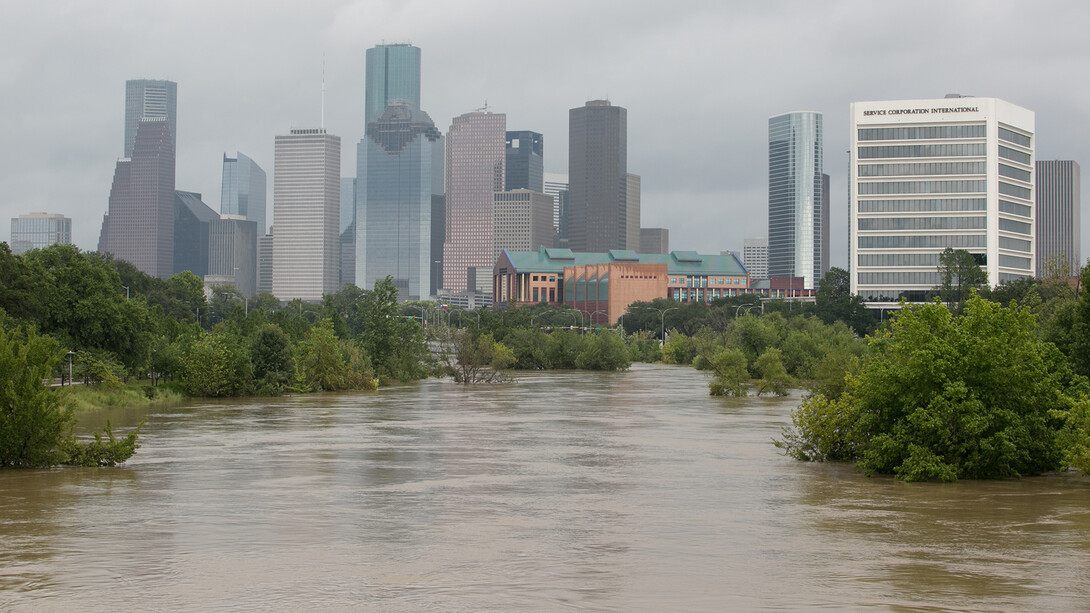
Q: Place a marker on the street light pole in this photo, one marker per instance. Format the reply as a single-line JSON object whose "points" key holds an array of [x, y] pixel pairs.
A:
{"points": [[70, 354]]}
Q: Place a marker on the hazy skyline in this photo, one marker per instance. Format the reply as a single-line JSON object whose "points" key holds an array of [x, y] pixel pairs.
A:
{"points": [[699, 80]]}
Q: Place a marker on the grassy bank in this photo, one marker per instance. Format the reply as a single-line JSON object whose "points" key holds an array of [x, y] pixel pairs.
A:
{"points": [[85, 397]]}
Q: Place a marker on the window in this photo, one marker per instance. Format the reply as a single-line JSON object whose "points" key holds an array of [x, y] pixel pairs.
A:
{"points": [[1014, 137], [922, 132], [927, 204]]}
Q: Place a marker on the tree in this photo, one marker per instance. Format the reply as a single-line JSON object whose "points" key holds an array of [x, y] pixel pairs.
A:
{"points": [[478, 358], [943, 396], [836, 302], [320, 359], [731, 376], [216, 365], [774, 378], [959, 273], [604, 351], [270, 352]]}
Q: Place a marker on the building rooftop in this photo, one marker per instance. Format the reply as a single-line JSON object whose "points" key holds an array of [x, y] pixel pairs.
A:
{"points": [[551, 260]]}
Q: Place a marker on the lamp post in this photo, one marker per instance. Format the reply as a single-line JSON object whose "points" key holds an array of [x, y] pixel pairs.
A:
{"points": [[662, 321], [747, 305], [126, 291], [70, 354]]}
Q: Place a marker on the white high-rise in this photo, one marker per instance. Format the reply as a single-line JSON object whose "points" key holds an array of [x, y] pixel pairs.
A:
{"points": [[306, 210], [930, 174], [755, 257]]}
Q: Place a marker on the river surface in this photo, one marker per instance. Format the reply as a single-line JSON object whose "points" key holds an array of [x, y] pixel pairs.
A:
{"points": [[629, 491]]}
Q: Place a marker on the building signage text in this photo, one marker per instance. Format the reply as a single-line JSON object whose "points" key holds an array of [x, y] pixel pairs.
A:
{"points": [[941, 109]]}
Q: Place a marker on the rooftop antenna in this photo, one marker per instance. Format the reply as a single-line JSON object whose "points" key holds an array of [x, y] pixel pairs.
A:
{"points": [[323, 92]]}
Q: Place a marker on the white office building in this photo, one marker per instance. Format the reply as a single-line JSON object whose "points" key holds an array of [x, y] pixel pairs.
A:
{"points": [[755, 257], [930, 174]]}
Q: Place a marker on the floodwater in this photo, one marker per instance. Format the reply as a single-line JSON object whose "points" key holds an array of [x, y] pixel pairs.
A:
{"points": [[629, 491]]}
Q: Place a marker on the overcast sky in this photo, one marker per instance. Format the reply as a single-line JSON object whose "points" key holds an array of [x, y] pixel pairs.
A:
{"points": [[699, 80]]}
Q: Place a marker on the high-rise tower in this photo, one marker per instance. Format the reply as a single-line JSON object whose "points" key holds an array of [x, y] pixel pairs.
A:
{"points": [[306, 203], [243, 191], [393, 73], [475, 170], [525, 161], [150, 98], [395, 162], [598, 177], [795, 197], [139, 224], [1058, 219]]}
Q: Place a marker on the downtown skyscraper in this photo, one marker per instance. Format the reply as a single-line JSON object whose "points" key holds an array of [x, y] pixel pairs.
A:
{"points": [[150, 98], [795, 197], [243, 190], [1058, 217], [306, 203], [397, 160], [475, 170], [598, 215], [393, 73]]}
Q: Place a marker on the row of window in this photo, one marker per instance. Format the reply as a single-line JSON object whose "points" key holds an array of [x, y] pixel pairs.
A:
{"points": [[924, 223], [1014, 173], [1006, 276], [921, 168], [922, 187], [703, 281], [1014, 137], [923, 242], [1011, 261], [1014, 155], [1014, 226], [923, 204], [921, 132], [922, 151], [888, 294], [900, 278], [1014, 244], [898, 259], [1015, 209]]}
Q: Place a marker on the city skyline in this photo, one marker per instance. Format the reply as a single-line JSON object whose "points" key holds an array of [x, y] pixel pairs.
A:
{"points": [[702, 172]]}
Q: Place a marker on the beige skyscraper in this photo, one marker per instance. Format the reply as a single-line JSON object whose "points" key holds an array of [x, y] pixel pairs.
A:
{"points": [[306, 210], [475, 171]]}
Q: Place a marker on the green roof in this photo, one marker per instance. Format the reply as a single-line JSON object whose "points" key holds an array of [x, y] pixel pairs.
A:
{"points": [[550, 260]]}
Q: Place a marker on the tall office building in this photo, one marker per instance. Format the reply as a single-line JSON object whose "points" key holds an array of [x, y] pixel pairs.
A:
{"points": [[393, 73], [1058, 219], [243, 190], [930, 174], [794, 197], [394, 205], [755, 257], [825, 223], [191, 219], [654, 240], [598, 177], [522, 220], [632, 211], [38, 230], [306, 203], [150, 98], [347, 263], [232, 253], [265, 263], [556, 185], [139, 225], [525, 161], [475, 171]]}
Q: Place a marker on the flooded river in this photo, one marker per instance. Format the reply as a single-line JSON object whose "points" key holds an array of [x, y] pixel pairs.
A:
{"points": [[631, 491]]}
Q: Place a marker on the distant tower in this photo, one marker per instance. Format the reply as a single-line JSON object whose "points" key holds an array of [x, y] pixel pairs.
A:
{"points": [[755, 257], [149, 98], [243, 191], [306, 203], [475, 171], [597, 175], [525, 161], [556, 185], [794, 196], [39, 230], [394, 206], [1058, 219], [393, 73], [139, 224], [632, 211]]}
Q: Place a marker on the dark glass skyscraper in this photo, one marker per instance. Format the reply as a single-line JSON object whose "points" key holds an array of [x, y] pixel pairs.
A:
{"points": [[393, 73], [525, 161], [795, 197], [597, 177], [1058, 219], [395, 165], [191, 219]]}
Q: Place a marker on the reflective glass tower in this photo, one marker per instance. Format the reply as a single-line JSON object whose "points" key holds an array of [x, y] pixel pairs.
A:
{"points": [[243, 192], [38, 230], [396, 162], [393, 73], [795, 196], [525, 161]]}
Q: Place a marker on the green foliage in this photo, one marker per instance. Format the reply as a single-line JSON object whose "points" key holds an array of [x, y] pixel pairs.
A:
{"points": [[605, 351], [944, 397], [271, 354], [774, 378], [97, 366], [216, 365], [836, 302], [679, 349], [731, 376], [34, 419], [478, 358], [1075, 434], [960, 273], [101, 452]]}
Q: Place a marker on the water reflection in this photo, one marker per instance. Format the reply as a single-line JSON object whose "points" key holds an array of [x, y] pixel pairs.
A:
{"points": [[625, 491]]}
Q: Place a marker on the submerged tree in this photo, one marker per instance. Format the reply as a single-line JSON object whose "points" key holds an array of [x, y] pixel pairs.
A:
{"points": [[959, 273]]}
